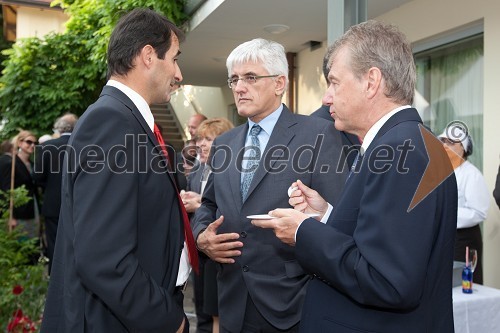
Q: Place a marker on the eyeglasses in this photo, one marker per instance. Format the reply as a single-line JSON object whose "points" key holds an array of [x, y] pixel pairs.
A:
{"points": [[248, 79], [30, 142]]}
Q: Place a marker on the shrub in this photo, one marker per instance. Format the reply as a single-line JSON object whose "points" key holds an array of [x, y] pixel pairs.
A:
{"points": [[23, 285]]}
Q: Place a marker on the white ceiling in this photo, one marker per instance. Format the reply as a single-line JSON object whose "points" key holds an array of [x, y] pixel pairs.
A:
{"points": [[213, 36]]}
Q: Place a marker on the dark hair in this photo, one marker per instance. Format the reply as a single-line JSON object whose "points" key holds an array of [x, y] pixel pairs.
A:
{"points": [[6, 147], [470, 147], [139, 28]]}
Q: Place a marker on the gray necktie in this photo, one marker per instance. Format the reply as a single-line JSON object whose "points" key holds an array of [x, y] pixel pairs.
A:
{"points": [[253, 162]]}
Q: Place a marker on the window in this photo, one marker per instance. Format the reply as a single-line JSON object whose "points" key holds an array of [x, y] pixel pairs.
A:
{"points": [[450, 87]]}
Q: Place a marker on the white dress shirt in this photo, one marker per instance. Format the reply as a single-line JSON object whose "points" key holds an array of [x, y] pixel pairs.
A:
{"points": [[473, 196]]}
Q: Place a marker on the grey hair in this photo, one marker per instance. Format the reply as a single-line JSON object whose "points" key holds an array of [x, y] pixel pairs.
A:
{"points": [[266, 52], [66, 123], [376, 44]]}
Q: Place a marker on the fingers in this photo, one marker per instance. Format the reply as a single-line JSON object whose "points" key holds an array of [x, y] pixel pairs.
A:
{"points": [[296, 198], [219, 247], [307, 191], [266, 224], [224, 252], [216, 224]]}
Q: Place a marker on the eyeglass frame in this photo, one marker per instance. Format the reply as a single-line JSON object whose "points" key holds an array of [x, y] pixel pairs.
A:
{"points": [[248, 79], [30, 142]]}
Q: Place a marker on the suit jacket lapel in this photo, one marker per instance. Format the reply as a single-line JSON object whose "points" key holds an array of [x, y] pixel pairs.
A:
{"points": [[237, 145], [117, 93], [281, 136]]}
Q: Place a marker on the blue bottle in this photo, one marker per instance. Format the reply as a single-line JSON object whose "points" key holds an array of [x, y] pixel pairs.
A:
{"points": [[467, 280]]}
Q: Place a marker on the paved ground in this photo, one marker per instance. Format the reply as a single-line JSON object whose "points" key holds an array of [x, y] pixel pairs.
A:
{"points": [[189, 306]]}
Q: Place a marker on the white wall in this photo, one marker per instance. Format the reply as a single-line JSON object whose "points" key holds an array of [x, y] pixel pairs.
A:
{"points": [[39, 22], [311, 84], [189, 100]]}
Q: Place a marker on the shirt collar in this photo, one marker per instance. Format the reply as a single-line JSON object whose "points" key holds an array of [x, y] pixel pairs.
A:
{"points": [[372, 132], [267, 124], [138, 101]]}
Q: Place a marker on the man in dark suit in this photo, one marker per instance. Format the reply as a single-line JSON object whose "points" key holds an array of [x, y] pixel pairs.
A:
{"points": [[496, 190], [117, 264], [261, 285], [350, 142], [47, 174], [383, 260]]}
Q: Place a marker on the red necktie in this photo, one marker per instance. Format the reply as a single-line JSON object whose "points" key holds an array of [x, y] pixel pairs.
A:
{"points": [[188, 234]]}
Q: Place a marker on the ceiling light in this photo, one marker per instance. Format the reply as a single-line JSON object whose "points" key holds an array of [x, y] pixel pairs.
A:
{"points": [[276, 29]]}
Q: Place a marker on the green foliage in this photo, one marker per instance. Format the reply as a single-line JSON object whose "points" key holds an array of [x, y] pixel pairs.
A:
{"points": [[4, 44], [44, 78], [23, 285]]}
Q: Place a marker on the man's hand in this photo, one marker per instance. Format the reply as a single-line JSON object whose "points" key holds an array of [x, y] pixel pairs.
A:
{"points": [[307, 200], [284, 224], [181, 329], [191, 200], [219, 247]]}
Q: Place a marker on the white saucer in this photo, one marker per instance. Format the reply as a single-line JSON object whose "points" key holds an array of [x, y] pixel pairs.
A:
{"points": [[268, 217]]}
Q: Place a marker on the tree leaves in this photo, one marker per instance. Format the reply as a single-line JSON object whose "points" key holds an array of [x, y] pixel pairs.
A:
{"points": [[64, 72]]}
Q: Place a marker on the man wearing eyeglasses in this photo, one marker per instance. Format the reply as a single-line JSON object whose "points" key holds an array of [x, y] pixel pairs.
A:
{"points": [[261, 285]]}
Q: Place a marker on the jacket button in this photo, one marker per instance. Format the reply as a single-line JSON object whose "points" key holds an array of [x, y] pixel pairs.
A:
{"points": [[246, 268], [243, 234]]}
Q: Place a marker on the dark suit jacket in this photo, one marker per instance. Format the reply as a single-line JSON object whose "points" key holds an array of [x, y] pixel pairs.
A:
{"points": [[380, 267], [496, 191], [350, 142], [120, 229], [47, 173], [267, 270], [194, 179], [22, 176]]}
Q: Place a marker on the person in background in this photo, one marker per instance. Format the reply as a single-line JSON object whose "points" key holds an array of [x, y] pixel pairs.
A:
{"points": [[6, 148], [473, 196], [44, 138], [25, 218], [124, 247], [205, 286], [194, 121], [6, 151], [261, 286], [496, 190], [189, 154], [382, 262], [48, 166]]}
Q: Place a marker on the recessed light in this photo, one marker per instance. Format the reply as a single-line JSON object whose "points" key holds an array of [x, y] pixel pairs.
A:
{"points": [[276, 29]]}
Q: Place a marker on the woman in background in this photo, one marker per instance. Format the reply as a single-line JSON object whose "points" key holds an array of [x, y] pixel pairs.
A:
{"points": [[206, 283], [473, 196], [24, 217]]}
